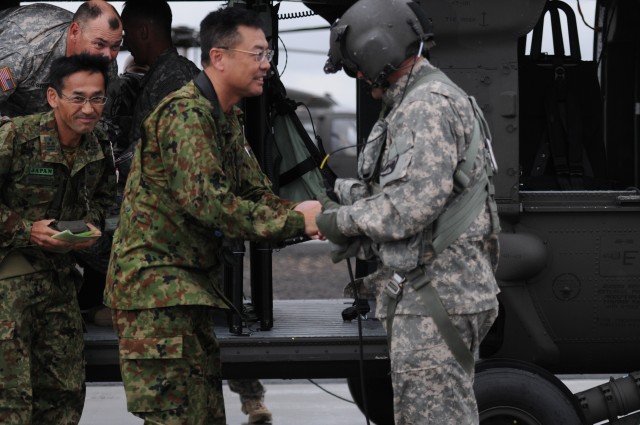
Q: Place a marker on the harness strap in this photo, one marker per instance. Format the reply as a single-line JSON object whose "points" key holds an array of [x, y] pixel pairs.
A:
{"points": [[297, 171], [459, 216], [434, 308]]}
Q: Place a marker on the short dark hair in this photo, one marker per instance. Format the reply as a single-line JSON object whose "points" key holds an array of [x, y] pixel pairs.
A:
{"points": [[220, 28], [67, 65], [89, 10], [158, 11]]}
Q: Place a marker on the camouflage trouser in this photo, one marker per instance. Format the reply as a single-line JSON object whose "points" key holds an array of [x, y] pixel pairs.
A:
{"points": [[248, 389], [41, 349], [170, 364], [429, 385]]}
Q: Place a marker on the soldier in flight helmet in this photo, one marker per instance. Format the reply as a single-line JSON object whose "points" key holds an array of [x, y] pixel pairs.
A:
{"points": [[422, 208], [374, 37]]}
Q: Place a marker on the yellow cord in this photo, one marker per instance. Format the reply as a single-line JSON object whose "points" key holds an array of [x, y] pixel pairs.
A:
{"points": [[324, 161]]}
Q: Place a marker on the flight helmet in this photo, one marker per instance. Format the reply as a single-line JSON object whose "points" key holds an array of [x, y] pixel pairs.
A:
{"points": [[375, 36]]}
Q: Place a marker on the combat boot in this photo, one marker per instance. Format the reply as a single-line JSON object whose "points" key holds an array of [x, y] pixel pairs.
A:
{"points": [[257, 411]]}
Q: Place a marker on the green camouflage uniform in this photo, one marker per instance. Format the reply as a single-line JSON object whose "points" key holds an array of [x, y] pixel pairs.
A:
{"points": [[247, 389], [194, 182], [427, 130], [41, 342], [138, 96], [31, 38]]}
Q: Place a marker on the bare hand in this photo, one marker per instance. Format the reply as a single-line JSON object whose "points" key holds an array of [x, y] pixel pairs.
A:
{"points": [[310, 209], [41, 236]]}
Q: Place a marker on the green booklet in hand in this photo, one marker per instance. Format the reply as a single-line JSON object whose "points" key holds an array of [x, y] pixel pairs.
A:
{"points": [[70, 237]]}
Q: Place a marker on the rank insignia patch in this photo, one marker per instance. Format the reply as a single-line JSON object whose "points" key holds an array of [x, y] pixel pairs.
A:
{"points": [[6, 79]]}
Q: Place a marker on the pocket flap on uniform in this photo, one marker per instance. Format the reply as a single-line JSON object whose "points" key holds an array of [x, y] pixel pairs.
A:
{"points": [[15, 264], [151, 348], [7, 329]]}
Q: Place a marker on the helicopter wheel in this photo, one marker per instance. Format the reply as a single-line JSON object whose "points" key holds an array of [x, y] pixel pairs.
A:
{"points": [[522, 394]]}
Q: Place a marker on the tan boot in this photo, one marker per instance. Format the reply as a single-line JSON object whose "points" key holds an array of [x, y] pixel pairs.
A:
{"points": [[257, 411]]}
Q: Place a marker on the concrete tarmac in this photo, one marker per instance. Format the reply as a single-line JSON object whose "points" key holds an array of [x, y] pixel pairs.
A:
{"points": [[292, 402]]}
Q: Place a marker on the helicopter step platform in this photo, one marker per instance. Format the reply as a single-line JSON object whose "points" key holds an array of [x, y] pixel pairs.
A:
{"points": [[309, 339]]}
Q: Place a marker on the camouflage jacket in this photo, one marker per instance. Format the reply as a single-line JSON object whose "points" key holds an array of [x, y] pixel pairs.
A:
{"points": [[36, 183], [194, 182], [31, 38], [421, 140]]}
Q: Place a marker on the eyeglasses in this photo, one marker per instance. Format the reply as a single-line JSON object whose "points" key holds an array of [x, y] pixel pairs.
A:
{"points": [[81, 100], [260, 55]]}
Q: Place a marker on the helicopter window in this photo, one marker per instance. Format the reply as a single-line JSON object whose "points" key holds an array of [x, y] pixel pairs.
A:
{"points": [[561, 131]]}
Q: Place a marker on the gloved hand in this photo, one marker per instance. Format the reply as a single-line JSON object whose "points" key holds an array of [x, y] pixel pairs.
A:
{"points": [[327, 203], [327, 223]]}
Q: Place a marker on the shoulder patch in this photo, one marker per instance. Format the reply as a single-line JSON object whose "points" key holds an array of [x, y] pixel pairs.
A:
{"points": [[6, 79]]}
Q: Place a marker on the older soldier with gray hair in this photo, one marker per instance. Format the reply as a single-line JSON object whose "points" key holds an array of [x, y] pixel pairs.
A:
{"points": [[53, 170], [423, 207], [33, 36]]}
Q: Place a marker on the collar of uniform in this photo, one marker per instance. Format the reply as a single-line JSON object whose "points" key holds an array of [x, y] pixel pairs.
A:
{"points": [[206, 88], [395, 92]]}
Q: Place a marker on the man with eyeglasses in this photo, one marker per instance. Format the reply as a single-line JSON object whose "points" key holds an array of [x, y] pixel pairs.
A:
{"points": [[54, 173], [194, 184], [147, 36], [33, 36]]}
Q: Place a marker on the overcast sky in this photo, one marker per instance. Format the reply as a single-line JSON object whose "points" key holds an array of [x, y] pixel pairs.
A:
{"points": [[302, 67]]}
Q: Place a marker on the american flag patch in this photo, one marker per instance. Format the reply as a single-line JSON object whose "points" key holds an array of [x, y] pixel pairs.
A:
{"points": [[6, 79]]}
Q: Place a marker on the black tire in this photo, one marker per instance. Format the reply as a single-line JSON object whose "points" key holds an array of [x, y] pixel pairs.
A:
{"points": [[514, 395], [379, 394]]}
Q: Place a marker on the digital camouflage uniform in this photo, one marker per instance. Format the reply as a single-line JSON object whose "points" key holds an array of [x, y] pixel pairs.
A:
{"points": [[427, 131], [31, 38], [194, 182], [41, 342]]}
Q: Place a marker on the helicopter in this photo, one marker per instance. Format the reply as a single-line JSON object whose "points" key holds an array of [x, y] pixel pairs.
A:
{"points": [[566, 137]]}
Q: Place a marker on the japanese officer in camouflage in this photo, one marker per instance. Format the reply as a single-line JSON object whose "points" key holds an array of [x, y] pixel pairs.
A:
{"points": [[194, 182], [423, 159], [52, 169], [33, 36]]}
